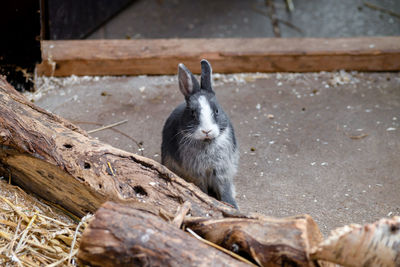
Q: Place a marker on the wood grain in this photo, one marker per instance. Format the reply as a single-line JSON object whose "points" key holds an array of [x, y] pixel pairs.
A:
{"points": [[120, 235], [266, 240], [161, 56]]}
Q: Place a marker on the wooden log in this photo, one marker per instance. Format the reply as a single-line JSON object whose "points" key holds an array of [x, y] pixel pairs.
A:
{"points": [[120, 234], [375, 244], [123, 236], [161, 56], [58, 161], [268, 241]]}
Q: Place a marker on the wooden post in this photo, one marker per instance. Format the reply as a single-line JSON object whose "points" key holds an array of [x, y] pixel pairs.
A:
{"points": [[161, 56]]}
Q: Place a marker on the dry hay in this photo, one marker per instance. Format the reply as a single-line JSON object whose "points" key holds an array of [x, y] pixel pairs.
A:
{"points": [[33, 233]]}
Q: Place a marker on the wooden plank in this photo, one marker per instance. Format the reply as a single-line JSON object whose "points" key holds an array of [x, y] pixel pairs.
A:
{"points": [[161, 56]]}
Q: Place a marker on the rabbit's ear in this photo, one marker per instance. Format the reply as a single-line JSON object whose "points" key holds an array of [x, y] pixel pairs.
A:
{"points": [[187, 82], [206, 73]]}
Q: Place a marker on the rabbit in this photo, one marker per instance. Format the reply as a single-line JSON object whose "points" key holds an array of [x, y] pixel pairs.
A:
{"points": [[198, 140]]}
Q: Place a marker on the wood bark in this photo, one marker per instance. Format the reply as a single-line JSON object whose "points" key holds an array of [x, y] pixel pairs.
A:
{"points": [[268, 241], [120, 234], [375, 244], [123, 236], [58, 161], [231, 55]]}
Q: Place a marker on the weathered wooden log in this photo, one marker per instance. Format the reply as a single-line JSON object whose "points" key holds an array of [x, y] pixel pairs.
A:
{"points": [[123, 236], [117, 232], [58, 161], [375, 244], [268, 241]]}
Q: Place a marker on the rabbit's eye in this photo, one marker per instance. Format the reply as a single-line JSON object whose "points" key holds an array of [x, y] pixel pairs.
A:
{"points": [[216, 111], [193, 113]]}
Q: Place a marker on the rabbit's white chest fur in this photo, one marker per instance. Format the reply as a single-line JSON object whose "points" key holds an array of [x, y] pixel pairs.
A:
{"points": [[206, 163]]}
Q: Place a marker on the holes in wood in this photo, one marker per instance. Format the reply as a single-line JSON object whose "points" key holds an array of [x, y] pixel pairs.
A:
{"points": [[139, 190], [100, 186], [69, 146], [394, 228], [81, 179], [86, 165]]}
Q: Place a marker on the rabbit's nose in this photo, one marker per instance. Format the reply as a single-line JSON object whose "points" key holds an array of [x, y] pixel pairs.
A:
{"points": [[206, 132]]}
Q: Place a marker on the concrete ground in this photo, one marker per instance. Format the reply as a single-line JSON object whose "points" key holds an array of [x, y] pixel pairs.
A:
{"points": [[238, 18], [326, 144]]}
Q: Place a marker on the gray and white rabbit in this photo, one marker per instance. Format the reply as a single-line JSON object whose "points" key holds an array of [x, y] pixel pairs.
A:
{"points": [[198, 140]]}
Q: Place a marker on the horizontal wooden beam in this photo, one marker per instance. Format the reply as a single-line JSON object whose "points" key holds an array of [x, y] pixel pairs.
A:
{"points": [[161, 56]]}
